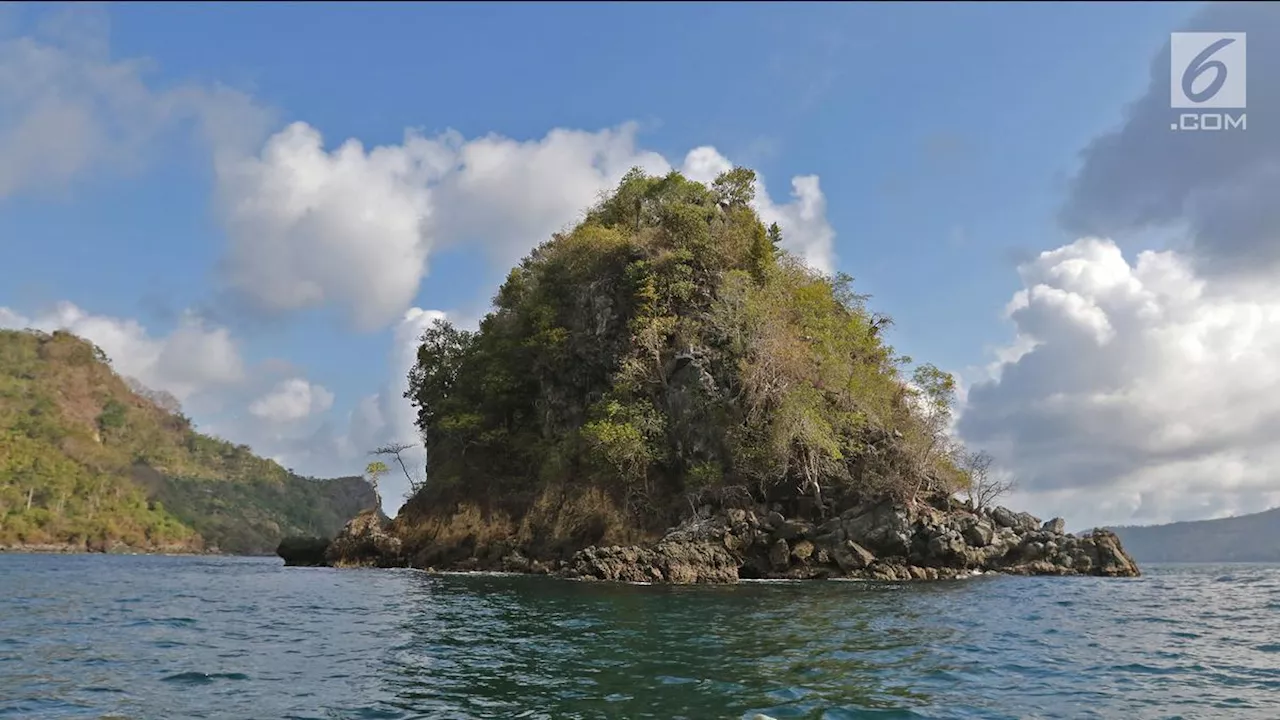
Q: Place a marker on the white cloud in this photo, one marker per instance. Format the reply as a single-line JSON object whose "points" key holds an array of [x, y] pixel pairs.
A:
{"points": [[1135, 392], [192, 359], [510, 196], [342, 448], [68, 108], [309, 228], [354, 229], [292, 400]]}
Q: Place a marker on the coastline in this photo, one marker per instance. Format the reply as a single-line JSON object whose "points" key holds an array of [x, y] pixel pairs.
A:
{"points": [[68, 549], [877, 540]]}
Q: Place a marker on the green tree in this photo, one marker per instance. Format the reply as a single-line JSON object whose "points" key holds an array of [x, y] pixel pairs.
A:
{"points": [[665, 348], [374, 471]]}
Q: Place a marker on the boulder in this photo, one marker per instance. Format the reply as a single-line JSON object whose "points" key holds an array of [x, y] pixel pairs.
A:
{"points": [[678, 563], [1057, 526], [979, 533], [884, 528], [1026, 522], [1107, 556], [779, 554], [772, 520], [366, 541], [1004, 517], [301, 551], [793, 529], [852, 556]]}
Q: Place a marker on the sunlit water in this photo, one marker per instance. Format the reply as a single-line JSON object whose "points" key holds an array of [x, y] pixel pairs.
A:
{"points": [[155, 637]]}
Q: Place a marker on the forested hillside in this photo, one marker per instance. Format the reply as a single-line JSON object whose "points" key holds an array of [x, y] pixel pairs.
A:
{"points": [[1246, 538], [91, 460]]}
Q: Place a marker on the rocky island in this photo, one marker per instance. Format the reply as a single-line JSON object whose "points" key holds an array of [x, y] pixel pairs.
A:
{"points": [[665, 394]]}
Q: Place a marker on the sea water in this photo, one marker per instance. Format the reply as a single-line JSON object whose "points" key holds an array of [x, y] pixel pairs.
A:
{"points": [[171, 637]]}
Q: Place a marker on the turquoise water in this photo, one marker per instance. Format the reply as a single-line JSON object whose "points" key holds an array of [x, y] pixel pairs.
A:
{"points": [[157, 637]]}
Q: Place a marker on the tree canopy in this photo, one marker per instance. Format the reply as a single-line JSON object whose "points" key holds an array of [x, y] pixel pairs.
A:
{"points": [[665, 350]]}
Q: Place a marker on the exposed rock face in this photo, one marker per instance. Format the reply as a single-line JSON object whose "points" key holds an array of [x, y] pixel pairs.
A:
{"points": [[882, 540], [365, 542], [303, 551]]}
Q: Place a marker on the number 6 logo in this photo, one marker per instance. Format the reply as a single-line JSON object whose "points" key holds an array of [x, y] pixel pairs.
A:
{"points": [[1219, 57]]}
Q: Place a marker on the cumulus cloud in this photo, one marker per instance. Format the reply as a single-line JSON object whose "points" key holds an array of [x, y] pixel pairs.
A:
{"points": [[1214, 186], [341, 445], [1139, 392], [1147, 391], [193, 359], [291, 400], [68, 108], [308, 227], [354, 229]]}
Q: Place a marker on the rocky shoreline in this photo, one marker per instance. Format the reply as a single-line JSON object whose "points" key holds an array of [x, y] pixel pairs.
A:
{"points": [[874, 541]]}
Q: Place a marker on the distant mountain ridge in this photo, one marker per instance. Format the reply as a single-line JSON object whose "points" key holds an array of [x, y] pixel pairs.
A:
{"points": [[90, 460], [1245, 538]]}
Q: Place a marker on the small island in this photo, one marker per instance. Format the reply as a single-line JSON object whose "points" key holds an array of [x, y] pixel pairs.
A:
{"points": [[663, 394]]}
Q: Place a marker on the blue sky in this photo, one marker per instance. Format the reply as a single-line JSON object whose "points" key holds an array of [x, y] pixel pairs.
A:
{"points": [[945, 138]]}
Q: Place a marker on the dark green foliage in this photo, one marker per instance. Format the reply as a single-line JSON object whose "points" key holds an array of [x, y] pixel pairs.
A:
{"points": [[88, 460], [667, 348], [112, 416]]}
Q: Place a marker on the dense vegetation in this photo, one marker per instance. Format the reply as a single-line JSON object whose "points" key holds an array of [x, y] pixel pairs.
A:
{"points": [[666, 353], [89, 459]]}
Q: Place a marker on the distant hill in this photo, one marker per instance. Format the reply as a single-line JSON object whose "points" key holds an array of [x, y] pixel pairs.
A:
{"points": [[91, 460], [1247, 538]]}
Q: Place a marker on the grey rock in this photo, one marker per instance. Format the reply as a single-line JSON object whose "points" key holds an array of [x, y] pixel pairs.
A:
{"points": [[792, 529], [1057, 526], [779, 554], [365, 541], [885, 528], [678, 563], [979, 533], [1004, 517], [852, 556], [1027, 522]]}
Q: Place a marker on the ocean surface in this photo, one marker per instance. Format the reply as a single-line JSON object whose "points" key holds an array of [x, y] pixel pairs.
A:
{"points": [[171, 638]]}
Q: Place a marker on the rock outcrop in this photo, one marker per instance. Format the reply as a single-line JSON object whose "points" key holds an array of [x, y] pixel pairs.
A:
{"points": [[882, 540], [692, 553], [303, 551], [366, 541]]}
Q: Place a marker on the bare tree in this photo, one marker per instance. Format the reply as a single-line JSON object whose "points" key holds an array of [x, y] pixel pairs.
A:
{"points": [[394, 449], [161, 398], [985, 487]]}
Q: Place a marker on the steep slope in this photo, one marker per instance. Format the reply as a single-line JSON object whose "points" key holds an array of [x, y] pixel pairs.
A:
{"points": [[91, 460], [1247, 538]]}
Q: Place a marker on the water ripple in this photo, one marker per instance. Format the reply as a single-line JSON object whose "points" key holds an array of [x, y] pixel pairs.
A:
{"points": [[140, 637]]}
